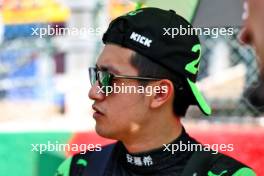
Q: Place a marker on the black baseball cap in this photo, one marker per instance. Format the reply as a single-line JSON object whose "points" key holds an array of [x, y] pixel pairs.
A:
{"points": [[148, 31]]}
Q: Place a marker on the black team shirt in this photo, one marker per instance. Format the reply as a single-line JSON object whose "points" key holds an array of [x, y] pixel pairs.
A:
{"points": [[158, 162]]}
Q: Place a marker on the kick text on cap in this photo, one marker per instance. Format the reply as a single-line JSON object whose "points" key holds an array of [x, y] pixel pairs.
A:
{"points": [[141, 39]]}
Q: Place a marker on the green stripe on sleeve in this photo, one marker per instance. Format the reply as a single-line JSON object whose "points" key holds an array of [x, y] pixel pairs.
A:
{"points": [[64, 168], [244, 172]]}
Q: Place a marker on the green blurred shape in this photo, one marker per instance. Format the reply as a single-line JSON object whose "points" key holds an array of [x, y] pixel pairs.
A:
{"points": [[17, 157], [185, 8], [48, 163]]}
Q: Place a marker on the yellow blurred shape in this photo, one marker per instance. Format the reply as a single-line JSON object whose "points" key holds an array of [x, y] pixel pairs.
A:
{"points": [[120, 7], [33, 11]]}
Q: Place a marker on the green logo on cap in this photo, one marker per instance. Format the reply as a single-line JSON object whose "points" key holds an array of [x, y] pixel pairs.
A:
{"points": [[210, 173], [133, 13], [193, 66]]}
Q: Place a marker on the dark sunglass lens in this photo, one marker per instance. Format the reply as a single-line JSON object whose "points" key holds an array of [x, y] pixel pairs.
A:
{"points": [[92, 76], [104, 78]]}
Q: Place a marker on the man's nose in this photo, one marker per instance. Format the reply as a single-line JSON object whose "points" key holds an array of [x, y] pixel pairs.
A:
{"points": [[95, 93]]}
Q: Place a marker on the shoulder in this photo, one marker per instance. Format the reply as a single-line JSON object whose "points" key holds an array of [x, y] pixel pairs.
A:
{"points": [[80, 161], [73, 164], [225, 165]]}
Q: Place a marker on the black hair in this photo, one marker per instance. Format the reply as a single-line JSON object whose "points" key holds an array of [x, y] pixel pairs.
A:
{"points": [[148, 68]]}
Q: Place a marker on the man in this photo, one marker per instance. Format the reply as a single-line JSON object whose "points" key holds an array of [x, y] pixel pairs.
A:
{"points": [[252, 34], [140, 51]]}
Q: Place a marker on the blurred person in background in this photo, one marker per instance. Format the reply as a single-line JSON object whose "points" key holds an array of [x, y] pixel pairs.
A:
{"points": [[148, 129], [252, 34]]}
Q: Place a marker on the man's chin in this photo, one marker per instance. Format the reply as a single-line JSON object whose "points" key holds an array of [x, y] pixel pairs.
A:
{"points": [[104, 133]]}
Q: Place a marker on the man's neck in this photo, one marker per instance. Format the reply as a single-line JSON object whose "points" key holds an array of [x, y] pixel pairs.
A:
{"points": [[154, 136]]}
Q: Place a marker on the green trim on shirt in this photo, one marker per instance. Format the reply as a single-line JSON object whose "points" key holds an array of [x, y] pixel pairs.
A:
{"points": [[244, 172], [64, 168]]}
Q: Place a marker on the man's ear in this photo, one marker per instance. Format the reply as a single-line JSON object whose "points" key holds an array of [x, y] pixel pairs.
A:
{"points": [[162, 92], [244, 36]]}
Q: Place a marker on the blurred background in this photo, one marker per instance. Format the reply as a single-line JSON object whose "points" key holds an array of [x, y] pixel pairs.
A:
{"points": [[44, 80]]}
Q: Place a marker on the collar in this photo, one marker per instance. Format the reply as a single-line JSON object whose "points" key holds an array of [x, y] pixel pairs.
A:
{"points": [[159, 159]]}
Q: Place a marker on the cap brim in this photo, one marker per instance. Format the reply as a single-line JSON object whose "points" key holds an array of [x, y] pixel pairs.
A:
{"points": [[201, 102]]}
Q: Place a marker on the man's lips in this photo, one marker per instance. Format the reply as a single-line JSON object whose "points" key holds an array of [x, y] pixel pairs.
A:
{"points": [[97, 110]]}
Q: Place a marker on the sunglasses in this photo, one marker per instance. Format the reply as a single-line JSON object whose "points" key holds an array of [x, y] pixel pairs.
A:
{"points": [[105, 78]]}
